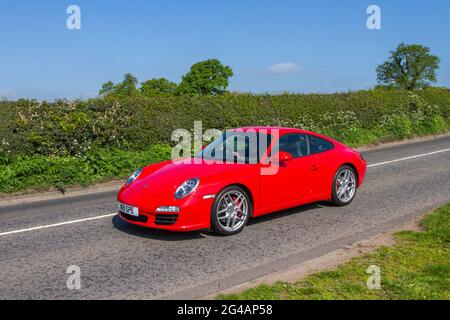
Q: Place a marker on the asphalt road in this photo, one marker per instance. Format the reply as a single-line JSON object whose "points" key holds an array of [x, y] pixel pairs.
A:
{"points": [[120, 261]]}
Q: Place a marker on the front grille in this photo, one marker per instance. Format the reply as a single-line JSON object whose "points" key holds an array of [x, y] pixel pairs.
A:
{"points": [[128, 217], [166, 219]]}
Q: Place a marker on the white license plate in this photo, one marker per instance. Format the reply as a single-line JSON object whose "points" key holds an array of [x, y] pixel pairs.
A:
{"points": [[124, 208]]}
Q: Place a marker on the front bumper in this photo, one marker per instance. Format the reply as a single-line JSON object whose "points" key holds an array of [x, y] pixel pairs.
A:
{"points": [[194, 214]]}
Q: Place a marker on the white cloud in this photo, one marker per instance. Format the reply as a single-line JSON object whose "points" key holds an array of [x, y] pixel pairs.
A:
{"points": [[9, 94], [284, 67]]}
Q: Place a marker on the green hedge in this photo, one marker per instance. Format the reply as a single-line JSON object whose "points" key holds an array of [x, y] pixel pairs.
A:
{"points": [[73, 128], [43, 172], [34, 133]]}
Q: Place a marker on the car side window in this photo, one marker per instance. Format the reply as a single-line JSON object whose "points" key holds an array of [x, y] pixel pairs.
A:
{"points": [[319, 145], [295, 144]]}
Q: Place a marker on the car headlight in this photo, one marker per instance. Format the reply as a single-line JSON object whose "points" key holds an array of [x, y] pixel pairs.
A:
{"points": [[187, 188], [134, 176]]}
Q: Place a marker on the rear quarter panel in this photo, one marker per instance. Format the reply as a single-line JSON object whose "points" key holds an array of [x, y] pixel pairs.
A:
{"points": [[331, 161]]}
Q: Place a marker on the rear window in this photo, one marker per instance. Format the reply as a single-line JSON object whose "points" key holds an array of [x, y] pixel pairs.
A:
{"points": [[319, 145]]}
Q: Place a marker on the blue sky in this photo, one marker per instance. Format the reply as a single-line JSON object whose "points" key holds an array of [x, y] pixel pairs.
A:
{"points": [[272, 46]]}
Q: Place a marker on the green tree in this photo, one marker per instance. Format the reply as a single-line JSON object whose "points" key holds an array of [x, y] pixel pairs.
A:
{"points": [[206, 77], [409, 67], [158, 87], [128, 86], [124, 89], [107, 88]]}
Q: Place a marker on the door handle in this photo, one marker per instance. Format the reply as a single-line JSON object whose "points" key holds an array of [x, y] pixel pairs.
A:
{"points": [[315, 167]]}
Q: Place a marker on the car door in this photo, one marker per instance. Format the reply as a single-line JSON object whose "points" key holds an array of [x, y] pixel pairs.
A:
{"points": [[290, 183], [321, 174]]}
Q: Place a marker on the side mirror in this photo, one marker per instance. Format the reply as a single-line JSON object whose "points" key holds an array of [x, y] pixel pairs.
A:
{"points": [[281, 156]]}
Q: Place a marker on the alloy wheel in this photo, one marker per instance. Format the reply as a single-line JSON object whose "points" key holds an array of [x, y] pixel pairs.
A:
{"points": [[232, 210], [346, 185]]}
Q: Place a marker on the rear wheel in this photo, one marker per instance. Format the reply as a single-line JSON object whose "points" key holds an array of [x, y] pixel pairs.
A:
{"points": [[231, 210], [344, 186]]}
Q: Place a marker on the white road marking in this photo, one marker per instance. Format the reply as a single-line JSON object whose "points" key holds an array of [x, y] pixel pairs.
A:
{"points": [[408, 158], [57, 224], [113, 214]]}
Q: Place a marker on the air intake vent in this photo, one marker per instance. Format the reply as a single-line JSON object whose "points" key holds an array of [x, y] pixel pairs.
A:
{"points": [[166, 219]]}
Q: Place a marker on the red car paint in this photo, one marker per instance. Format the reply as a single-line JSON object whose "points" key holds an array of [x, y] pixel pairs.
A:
{"points": [[299, 181]]}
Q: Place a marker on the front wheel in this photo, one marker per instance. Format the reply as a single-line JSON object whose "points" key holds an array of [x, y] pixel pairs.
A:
{"points": [[344, 186], [231, 210]]}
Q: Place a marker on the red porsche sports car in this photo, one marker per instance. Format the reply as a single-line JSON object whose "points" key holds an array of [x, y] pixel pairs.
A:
{"points": [[247, 172]]}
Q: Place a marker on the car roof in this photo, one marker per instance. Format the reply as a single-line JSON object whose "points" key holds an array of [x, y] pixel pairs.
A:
{"points": [[282, 130]]}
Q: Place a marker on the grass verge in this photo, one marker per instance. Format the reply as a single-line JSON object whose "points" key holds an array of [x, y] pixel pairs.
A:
{"points": [[416, 267]]}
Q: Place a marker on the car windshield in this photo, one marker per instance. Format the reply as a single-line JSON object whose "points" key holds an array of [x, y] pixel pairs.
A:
{"points": [[237, 147]]}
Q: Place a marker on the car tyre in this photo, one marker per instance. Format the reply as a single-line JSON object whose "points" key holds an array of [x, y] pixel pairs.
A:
{"points": [[344, 186], [230, 211]]}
